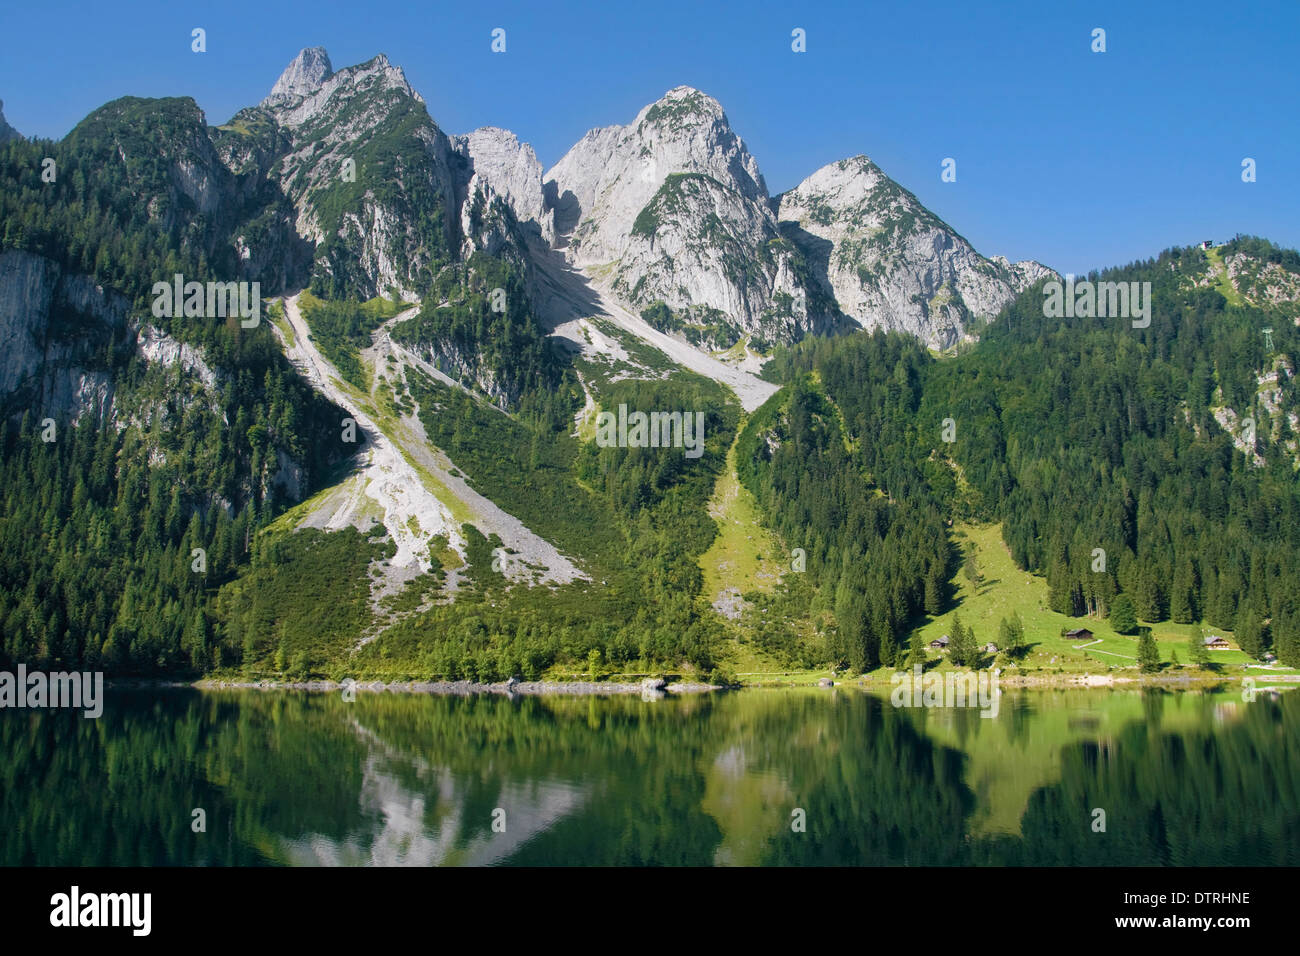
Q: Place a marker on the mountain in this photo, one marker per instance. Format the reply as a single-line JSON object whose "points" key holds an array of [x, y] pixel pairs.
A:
{"points": [[889, 261], [1157, 462], [499, 165], [401, 470], [674, 207], [300, 79], [368, 172]]}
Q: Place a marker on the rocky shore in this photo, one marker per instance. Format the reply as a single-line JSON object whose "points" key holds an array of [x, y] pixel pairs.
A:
{"points": [[650, 687]]}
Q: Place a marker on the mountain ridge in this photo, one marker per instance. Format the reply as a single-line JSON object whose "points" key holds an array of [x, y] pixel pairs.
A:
{"points": [[408, 437]]}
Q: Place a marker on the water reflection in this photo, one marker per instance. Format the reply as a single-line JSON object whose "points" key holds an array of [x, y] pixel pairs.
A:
{"points": [[409, 780]]}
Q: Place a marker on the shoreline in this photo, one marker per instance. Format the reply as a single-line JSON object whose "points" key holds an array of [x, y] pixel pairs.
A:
{"points": [[656, 687]]}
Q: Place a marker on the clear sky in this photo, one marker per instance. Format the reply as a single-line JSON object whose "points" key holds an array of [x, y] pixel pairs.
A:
{"points": [[1075, 158]]}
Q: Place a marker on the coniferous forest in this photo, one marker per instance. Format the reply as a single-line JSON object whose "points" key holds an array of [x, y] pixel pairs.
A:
{"points": [[1077, 434]]}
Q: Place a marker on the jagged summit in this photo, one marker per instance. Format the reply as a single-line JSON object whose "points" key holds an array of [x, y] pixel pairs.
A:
{"points": [[671, 207], [889, 261], [606, 179], [509, 169], [308, 84], [302, 77]]}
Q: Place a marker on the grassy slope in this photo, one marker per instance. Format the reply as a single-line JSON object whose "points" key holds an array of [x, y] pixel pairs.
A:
{"points": [[745, 556], [1224, 285], [1006, 588]]}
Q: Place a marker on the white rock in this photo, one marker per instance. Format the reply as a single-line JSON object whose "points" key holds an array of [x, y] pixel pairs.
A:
{"points": [[889, 261], [302, 77], [502, 166]]}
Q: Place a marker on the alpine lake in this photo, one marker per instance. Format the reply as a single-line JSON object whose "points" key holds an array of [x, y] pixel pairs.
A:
{"points": [[768, 777]]}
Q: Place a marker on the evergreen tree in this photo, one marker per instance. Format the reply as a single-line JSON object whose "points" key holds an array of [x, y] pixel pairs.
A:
{"points": [[1249, 631], [916, 654], [1197, 652], [888, 650], [1287, 631], [1016, 634], [962, 650], [1148, 654], [1122, 617], [1148, 600], [1182, 600]]}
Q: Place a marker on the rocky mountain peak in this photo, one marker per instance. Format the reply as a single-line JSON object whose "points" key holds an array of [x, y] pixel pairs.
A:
{"points": [[681, 104], [501, 165], [602, 184], [307, 86], [889, 261], [302, 77]]}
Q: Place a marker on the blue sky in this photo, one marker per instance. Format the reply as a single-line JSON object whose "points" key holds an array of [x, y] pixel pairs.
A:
{"points": [[1078, 159]]}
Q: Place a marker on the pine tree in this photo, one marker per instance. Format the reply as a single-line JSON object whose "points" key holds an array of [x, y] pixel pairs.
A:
{"points": [[1287, 631], [1148, 655], [1182, 601], [888, 649], [1249, 630], [916, 652], [1197, 651], [935, 589], [1148, 600], [1122, 617], [1016, 641], [961, 644]]}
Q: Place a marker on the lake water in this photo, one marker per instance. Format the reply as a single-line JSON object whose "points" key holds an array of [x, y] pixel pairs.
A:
{"points": [[1183, 778]]}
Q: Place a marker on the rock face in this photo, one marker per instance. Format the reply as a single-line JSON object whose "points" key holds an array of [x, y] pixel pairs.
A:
{"points": [[301, 78], [342, 178], [607, 178], [671, 209], [157, 347], [499, 165], [676, 203], [53, 328], [675, 207], [372, 178], [305, 88], [889, 261], [7, 132]]}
